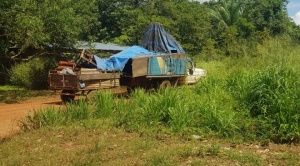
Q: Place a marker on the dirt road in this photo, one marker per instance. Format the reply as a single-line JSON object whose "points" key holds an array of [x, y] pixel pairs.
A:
{"points": [[11, 113]]}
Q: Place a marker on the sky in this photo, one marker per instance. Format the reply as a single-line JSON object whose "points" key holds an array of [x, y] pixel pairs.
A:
{"points": [[293, 9]]}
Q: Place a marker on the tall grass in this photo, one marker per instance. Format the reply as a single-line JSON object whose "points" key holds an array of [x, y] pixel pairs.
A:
{"points": [[101, 106], [273, 98], [44, 117], [81, 110], [170, 107], [248, 98], [104, 103]]}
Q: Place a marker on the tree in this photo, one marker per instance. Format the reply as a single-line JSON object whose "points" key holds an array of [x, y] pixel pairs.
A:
{"points": [[111, 17], [40, 23], [226, 12], [187, 21], [270, 15], [193, 27], [134, 21], [229, 23], [5, 5]]}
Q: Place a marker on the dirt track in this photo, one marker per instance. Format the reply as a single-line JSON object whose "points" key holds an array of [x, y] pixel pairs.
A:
{"points": [[11, 113]]}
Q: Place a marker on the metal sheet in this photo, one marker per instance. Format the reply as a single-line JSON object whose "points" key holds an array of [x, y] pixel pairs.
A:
{"points": [[100, 46], [139, 66]]}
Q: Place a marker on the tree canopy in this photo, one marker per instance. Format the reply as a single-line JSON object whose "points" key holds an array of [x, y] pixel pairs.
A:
{"points": [[41, 23], [222, 26]]}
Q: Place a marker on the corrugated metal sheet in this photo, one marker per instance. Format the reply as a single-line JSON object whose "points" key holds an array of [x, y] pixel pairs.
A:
{"points": [[100, 46]]}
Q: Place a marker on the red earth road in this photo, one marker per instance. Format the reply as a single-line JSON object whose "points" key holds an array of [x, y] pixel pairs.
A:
{"points": [[11, 113]]}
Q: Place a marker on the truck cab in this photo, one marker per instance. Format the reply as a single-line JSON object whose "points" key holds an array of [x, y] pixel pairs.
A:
{"points": [[194, 74]]}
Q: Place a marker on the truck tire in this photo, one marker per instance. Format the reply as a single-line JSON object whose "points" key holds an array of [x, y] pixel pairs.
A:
{"points": [[165, 84], [67, 96], [174, 82], [130, 89]]}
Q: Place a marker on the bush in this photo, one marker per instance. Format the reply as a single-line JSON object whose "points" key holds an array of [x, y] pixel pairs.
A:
{"points": [[273, 98], [32, 74]]}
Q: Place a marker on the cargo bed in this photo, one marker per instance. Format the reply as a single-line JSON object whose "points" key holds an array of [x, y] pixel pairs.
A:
{"points": [[82, 82]]}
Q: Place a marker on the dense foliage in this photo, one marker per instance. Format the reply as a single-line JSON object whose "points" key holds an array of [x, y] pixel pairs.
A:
{"points": [[33, 74], [37, 24]]}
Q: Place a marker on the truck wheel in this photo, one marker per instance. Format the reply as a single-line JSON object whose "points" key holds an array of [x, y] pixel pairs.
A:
{"points": [[130, 89], [165, 84], [67, 96], [174, 82]]}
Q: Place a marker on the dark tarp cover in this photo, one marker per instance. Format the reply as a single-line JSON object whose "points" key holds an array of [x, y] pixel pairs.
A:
{"points": [[156, 39], [155, 42]]}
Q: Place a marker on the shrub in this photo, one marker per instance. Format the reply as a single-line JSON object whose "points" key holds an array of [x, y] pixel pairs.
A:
{"points": [[32, 74], [273, 98]]}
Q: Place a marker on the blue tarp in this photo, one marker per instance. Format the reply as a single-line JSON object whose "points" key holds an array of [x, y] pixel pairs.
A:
{"points": [[118, 61], [155, 42]]}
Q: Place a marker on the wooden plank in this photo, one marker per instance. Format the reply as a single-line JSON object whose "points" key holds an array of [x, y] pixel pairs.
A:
{"points": [[100, 76], [89, 71], [101, 84], [110, 83], [92, 84], [88, 56]]}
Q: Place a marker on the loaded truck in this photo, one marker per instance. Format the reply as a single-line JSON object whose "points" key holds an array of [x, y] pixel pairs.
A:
{"points": [[146, 66]]}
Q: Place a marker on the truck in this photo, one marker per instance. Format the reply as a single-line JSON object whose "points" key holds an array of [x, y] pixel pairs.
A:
{"points": [[159, 62], [148, 72]]}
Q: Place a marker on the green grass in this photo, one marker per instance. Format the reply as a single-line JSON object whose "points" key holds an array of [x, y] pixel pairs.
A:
{"points": [[244, 158], [13, 94], [103, 144], [10, 88]]}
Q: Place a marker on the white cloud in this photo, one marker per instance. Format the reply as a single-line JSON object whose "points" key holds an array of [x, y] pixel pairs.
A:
{"points": [[296, 18]]}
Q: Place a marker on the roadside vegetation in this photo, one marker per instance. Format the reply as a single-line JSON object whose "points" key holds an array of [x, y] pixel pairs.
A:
{"points": [[14, 94], [244, 112], [248, 99], [235, 114]]}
